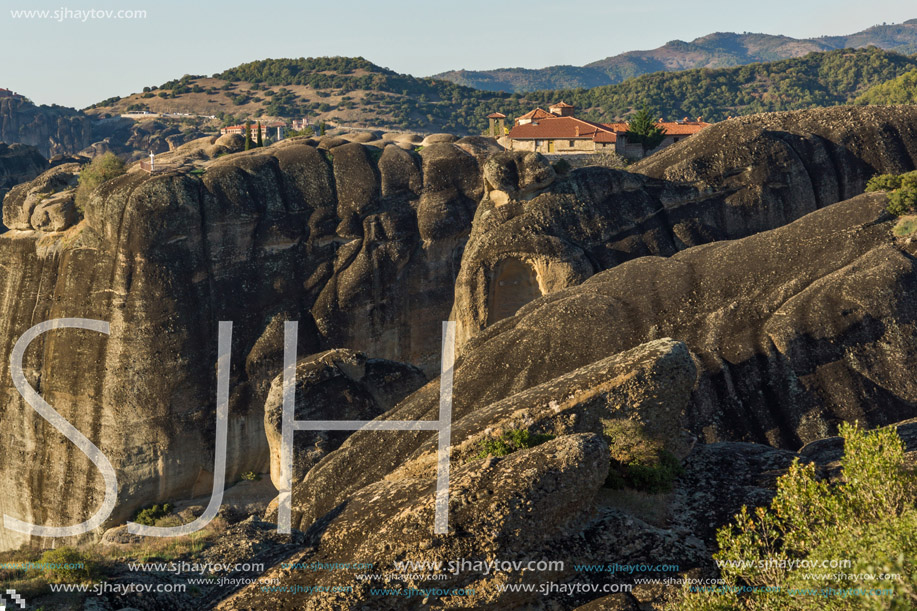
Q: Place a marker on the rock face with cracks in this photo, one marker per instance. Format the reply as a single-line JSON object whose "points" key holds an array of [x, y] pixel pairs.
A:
{"points": [[347, 241], [536, 233], [729, 302]]}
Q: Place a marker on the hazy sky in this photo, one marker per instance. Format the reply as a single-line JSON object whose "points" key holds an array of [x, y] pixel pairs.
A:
{"points": [[76, 63]]}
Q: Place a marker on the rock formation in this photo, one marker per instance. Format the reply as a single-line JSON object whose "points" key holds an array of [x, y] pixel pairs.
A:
{"points": [[727, 303], [347, 240], [52, 130], [334, 385], [536, 233], [18, 163]]}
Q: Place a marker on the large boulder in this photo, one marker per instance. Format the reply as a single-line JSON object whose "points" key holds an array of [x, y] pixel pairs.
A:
{"points": [[45, 203]]}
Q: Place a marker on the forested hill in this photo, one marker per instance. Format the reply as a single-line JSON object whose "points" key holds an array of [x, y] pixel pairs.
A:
{"points": [[902, 90], [717, 50], [353, 91], [818, 79]]}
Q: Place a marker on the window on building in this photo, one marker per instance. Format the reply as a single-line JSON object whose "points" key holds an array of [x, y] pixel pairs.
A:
{"points": [[572, 144]]}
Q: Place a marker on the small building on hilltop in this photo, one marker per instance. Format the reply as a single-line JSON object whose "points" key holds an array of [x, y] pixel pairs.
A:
{"points": [[273, 129], [6, 93], [559, 131], [562, 135]]}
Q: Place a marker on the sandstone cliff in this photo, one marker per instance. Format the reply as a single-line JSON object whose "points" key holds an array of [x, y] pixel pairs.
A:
{"points": [[53, 130], [346, 239], [743, 291]]}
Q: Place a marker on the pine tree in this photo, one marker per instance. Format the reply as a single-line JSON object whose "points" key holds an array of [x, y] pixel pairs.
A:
{"points": [[642, 128], [260, 138], [248, 135]]}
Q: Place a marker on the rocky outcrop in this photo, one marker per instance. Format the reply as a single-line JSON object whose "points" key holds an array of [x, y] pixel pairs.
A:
{"points": [[346, 241], [18, 164], [698, 351], [52, 130], [795, 329], [45, 203], [334, 385], [536, 233], [134, 140]]}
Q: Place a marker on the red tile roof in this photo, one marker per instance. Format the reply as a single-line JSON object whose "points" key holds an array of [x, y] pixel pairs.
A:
{"points": [[536, 114], [563, 127], [548, 126], [562, 105], [605, 137], [496, 115]]}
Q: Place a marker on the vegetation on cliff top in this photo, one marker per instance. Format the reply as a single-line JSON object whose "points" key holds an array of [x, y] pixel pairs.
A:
{"points": [[103, 168], [818, 79], [901, 189]]}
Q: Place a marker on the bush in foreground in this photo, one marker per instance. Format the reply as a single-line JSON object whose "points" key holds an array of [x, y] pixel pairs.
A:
{"points": [[148, 516], [511, 441], [868, 519], [69, 565]]}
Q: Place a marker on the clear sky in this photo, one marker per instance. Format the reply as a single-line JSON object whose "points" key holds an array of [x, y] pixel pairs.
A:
{"points": [[76, 63]]}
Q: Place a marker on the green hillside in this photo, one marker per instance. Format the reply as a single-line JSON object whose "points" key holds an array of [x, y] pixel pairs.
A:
{"points": [[902, 90], [353, 91], [818, 79]]}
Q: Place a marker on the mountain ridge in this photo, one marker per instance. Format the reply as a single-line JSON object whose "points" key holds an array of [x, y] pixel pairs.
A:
{"points": [[714, 50]]}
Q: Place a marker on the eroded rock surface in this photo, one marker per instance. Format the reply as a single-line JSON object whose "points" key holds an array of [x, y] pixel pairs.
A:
{"points": [[334, 385], [536, 233], [346, 241]]}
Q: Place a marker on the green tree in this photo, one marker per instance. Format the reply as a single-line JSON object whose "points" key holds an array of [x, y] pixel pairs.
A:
{"points": [[248, 135], [643, 128], [867, 519], [103, 168], [260, 138]]}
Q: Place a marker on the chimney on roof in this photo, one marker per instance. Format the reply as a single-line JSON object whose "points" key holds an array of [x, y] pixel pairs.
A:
{"points": [[698, 119], [577, 131], [685, 120]]}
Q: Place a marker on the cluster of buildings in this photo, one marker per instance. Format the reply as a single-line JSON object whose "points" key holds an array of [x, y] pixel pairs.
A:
{"points": [[558, 131], [273, 129], [6, 93]]}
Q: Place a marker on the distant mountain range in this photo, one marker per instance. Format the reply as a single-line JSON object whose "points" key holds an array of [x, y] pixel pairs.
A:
{"points": [[718, 50]]}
